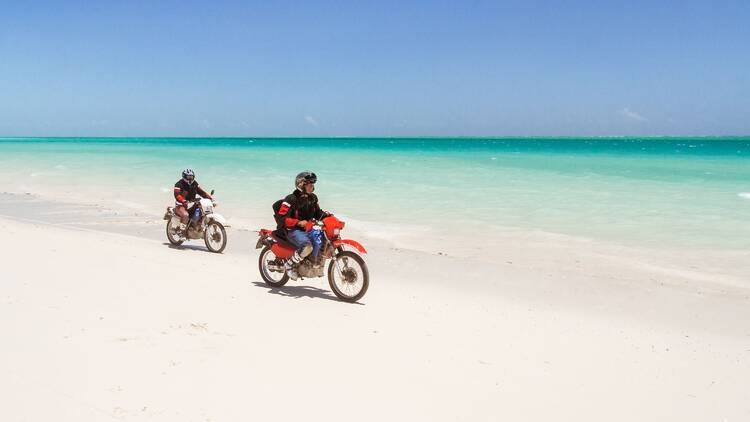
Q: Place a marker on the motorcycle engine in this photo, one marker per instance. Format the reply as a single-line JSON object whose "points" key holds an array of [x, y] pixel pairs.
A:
{"points": [[327, 250], [194, 233], [309, 269], [305, 269]]}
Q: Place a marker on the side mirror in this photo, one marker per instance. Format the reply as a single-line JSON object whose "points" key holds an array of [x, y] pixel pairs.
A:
{"points": [[212, 192]]}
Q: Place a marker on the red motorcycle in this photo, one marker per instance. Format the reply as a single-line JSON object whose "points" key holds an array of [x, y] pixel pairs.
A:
{"points": [[347, 271]]}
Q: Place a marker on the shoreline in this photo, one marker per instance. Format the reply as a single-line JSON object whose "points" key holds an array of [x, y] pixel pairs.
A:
{"points": [[728, 267]]}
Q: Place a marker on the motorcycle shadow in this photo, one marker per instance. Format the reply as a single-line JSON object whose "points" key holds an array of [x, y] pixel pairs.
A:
{"points": [[298, 292], [189, 247]]}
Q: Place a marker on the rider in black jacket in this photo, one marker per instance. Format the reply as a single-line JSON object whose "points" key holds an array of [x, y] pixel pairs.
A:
{"points": [[296, 215], [185, 190]]}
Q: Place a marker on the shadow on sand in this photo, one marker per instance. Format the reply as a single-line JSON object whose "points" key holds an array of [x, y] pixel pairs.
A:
{"points": [[188, 247], [297, 292]]}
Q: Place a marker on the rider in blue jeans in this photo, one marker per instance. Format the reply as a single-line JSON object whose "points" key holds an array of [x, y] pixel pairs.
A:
{"points": [[296, 215]]}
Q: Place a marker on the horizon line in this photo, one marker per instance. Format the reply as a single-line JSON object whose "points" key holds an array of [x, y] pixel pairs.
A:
{"points": [[391, 137]]}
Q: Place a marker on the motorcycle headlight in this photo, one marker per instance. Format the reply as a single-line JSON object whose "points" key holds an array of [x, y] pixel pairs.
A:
{"points": [[336, 231]]}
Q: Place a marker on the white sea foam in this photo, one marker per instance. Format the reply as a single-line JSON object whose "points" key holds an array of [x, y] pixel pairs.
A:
{"points": [[382, 230], [745, 195]]}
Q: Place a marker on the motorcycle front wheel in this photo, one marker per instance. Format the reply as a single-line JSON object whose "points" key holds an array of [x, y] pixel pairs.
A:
{"points": [[173, 233], [272, 278], [215, 237], [348, 276]]}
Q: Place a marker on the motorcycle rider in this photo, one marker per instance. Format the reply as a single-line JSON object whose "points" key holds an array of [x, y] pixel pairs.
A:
{"points": [[295, 216], [185, 190]]}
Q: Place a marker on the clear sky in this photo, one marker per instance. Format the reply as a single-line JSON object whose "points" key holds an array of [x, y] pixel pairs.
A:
{"points": [[380, 68]]}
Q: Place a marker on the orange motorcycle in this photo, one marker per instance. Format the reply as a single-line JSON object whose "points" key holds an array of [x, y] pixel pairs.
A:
{"points": [[347, 271]]}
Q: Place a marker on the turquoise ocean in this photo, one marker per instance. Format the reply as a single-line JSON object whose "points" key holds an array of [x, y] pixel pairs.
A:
{"points": [[654, 192]]}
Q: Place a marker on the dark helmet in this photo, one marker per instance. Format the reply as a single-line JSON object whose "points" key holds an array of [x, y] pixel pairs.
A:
{"points": [[188, 175], [304, 177]]}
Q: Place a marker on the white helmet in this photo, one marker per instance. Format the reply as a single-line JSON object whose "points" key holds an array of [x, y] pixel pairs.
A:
{"points": [[188, 175]]}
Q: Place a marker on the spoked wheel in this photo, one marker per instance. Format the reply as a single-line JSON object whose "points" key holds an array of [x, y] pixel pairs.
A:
{"points": [[267, 262], [173, 233], [348, 276], [215, 237]]}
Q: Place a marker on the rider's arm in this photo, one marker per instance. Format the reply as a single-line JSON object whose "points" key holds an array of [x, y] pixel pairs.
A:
{"points": [[178, 196], [319, 213], [203, 193], [285, 212]]}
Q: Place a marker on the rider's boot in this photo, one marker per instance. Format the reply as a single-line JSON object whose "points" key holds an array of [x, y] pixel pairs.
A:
{"points": [[290, 263]]}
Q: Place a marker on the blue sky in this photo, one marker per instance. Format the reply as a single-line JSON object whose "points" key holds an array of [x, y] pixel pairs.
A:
{"points": [[383, 68]]}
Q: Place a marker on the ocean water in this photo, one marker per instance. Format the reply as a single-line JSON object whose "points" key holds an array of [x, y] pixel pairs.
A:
{"points": [[656, 192]]}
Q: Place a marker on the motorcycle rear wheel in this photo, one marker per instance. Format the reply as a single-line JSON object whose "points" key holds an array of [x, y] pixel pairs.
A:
{"points": [[173, 237], [267, 255]]}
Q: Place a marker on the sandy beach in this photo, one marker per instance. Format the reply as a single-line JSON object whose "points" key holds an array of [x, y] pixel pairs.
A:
{"points": [[103, 320]]}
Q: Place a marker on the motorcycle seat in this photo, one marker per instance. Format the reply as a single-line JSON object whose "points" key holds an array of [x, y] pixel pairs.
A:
{"points": [[280, 236]]}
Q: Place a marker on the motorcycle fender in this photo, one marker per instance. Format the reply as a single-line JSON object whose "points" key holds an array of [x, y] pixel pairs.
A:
{"points": [[169, 213], [218, 218], [358, 246]]}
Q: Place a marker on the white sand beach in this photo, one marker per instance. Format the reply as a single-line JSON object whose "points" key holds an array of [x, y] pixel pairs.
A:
{"points": [[106, 321]]}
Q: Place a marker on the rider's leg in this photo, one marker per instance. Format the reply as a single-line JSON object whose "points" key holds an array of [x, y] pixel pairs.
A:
{"points": [[195, 214], [299, 239], [182, 213], [316, 237], [302, 241]]}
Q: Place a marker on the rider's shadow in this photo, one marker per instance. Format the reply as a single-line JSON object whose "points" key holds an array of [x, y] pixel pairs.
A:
{"points": [[298, 292]]}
